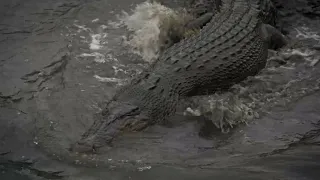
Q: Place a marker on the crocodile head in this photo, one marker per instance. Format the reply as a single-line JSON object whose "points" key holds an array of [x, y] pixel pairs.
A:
{"points": [[117, 118]]}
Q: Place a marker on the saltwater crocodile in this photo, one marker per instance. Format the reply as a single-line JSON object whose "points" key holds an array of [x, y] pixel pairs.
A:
{"points": [[230, 47]]}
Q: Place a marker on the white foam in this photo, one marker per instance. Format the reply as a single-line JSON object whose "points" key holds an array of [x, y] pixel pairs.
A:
{"points": [[117, 69], [95, 42], [145, 24], [144, 168], [114, 25], [306, 33], [104, 26], [99, 58], [193, 112], [111, 58], [108, 79], [309, 55], [95, 20], [82, 28], [299, 52]]}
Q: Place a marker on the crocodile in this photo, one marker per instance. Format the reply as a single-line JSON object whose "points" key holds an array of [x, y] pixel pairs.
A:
{"points": [[230, 47]]}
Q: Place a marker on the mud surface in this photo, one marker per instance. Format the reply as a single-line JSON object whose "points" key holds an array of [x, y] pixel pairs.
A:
{"points": [[60, 61]]}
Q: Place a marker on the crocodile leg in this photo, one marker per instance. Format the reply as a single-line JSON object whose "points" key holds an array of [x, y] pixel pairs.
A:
{"points": [[273, 36], [203, 10], [200, 21], [200, 7]]}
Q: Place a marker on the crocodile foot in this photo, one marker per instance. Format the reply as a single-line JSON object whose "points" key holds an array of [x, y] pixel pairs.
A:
{"points": [[274, 37]]}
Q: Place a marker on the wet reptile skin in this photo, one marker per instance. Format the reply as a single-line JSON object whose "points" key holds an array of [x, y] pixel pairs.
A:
{"points": [[228, 49]]}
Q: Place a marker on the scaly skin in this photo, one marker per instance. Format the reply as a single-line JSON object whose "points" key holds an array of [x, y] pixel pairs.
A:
{"points": [[228, 49]]}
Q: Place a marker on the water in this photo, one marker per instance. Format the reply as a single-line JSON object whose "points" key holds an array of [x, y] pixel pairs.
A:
{"points": [[152, 25], [272, 118]]}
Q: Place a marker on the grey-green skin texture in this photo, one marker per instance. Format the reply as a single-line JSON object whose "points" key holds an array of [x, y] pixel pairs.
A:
{"points": [[230, 47]]}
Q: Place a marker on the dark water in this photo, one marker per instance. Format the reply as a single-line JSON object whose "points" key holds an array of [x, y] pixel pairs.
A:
{"points": [[49, 93]]}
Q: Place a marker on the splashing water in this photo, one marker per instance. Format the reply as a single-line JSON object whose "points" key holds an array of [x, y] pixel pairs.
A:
{"points": [[306, 33], [152, 26]]}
